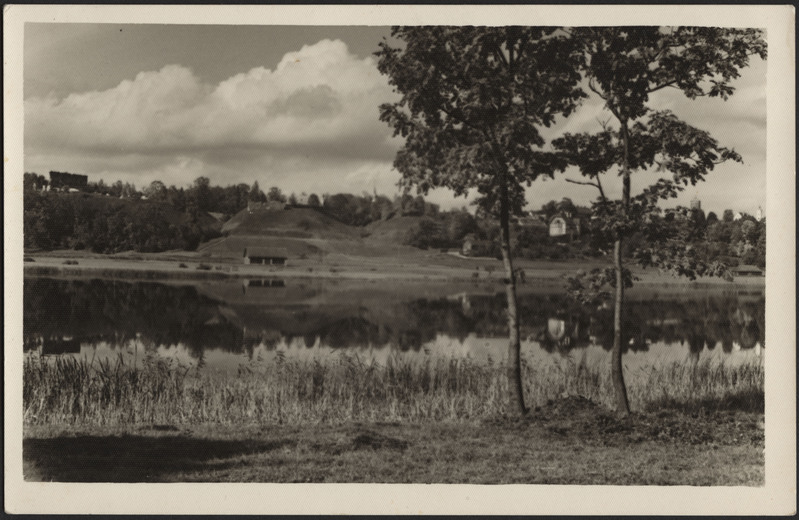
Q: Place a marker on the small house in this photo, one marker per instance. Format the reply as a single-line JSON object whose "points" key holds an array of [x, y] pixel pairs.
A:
{"points": [[562, 225], [265, 256], [747, 270]]}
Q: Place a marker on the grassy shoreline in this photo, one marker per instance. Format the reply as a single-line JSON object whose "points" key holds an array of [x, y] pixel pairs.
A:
{"points": [[422, 266], [438, 422]]}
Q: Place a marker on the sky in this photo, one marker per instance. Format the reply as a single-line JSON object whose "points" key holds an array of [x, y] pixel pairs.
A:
{"points": [[289, 106]]}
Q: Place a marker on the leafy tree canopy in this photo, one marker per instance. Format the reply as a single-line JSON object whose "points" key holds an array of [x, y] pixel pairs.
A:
{"points": [[472, 102]]}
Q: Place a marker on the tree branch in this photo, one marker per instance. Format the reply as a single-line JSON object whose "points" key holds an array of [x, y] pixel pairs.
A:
{"points": [[596, 185], [601, 191], [661, 86]]}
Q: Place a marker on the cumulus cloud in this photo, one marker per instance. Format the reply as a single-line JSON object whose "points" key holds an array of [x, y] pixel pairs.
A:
{"points": [[320, 101], [311, 124]]}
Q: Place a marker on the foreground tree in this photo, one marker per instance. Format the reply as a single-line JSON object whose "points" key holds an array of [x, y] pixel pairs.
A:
{"points": [[624, 66], [473, 100]]}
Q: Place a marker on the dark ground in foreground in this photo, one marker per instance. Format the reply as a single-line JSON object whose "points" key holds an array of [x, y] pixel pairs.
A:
{"points": [[570, 441]]}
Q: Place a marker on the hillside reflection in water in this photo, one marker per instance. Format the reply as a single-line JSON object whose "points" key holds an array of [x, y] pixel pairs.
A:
{"points": [[219, 323]]}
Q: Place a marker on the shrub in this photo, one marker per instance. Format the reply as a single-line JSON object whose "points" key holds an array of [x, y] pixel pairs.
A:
{"points": [[28, 259], [183, 266], [204, 267], [70, 262]]}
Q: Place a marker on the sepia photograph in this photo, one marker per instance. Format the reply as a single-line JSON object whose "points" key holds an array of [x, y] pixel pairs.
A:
{"points": [[511, 254]]}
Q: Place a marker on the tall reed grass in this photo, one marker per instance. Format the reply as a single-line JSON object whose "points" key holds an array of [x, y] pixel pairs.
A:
{"points": [[349, 388]]}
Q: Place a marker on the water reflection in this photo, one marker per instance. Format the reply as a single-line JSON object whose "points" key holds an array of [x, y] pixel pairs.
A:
{"points": [[238, 317]]}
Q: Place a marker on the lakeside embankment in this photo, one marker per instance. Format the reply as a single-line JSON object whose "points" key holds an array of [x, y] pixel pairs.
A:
{"points": [[437, 267]]}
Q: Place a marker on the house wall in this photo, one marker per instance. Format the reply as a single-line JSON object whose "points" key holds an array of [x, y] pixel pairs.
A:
{"points": [[261, 260], [557, 227]]}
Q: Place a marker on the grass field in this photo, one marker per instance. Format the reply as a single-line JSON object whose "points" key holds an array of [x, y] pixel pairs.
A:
{"points": [[570, 441]]}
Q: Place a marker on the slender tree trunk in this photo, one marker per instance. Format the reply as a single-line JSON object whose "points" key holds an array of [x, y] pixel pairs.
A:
{"points": [[616, 368], [515, 390]]}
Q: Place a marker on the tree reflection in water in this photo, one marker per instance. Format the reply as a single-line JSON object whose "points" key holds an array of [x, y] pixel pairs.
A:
{"points": [[59, 313]]}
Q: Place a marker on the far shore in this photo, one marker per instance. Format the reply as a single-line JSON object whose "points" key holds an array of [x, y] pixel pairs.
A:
{"points": [[424, 266]]}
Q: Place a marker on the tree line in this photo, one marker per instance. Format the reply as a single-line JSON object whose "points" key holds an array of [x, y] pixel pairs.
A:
{"points": [[57, 220]]}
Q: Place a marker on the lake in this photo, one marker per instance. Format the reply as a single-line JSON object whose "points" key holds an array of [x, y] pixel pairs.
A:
{"points": [[222, 326]]}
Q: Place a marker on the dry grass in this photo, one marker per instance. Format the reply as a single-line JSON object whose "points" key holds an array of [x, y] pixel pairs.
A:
{"points": [[348, 388], [570, 441]]}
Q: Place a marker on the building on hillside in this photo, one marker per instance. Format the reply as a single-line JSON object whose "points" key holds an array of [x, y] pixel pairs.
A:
{"points": [[738, 216], [265, 256], [747, 270], [696, 203], [564, 224], [271, 205], [68, 181], [759, 216]]}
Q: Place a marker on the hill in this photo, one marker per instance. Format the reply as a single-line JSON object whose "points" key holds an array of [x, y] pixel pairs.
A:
{"points": [[233, 246], [302, 223], [394, 230]]}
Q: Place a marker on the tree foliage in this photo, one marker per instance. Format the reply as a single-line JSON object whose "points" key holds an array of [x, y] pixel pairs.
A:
{"points": [[472, 102], [624, 66]]}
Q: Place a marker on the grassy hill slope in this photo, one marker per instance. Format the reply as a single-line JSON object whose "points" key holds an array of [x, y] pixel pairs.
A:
{"points": [[393, 230], [233, 246], [289, 223]]}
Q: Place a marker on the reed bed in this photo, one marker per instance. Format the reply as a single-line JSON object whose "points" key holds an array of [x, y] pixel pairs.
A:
{"points": [[348, 388]]}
